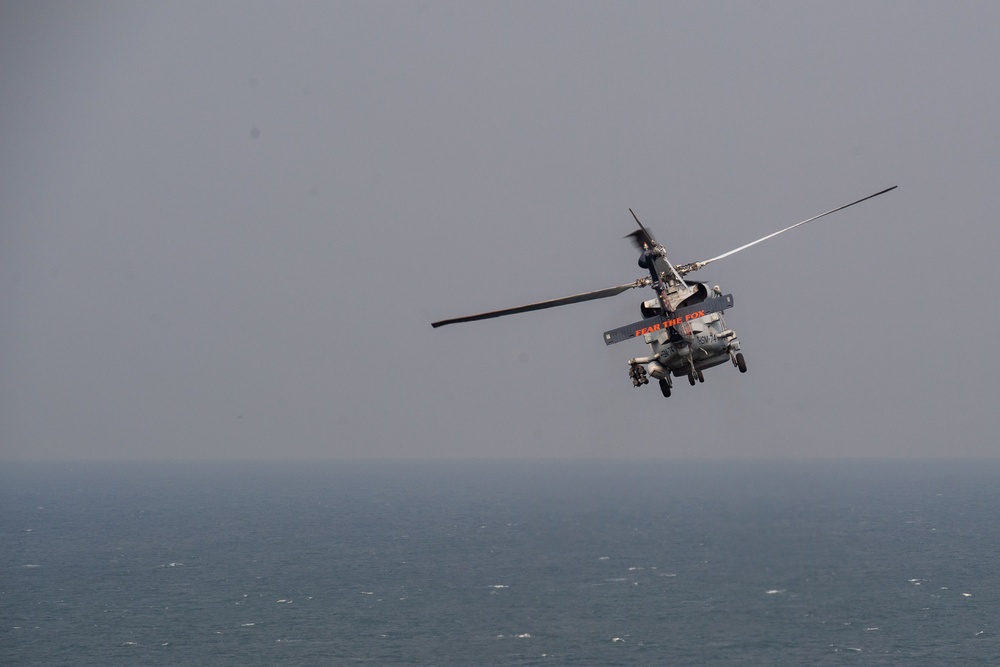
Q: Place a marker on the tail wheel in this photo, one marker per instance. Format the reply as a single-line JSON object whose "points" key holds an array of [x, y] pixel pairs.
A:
{"points": [[741, 363], [665, 388]]}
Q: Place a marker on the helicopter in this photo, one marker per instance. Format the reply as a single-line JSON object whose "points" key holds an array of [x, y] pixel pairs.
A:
{"points": [[682, 324]]}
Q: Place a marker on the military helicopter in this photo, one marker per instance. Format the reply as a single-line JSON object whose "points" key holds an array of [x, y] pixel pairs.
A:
{"points": [[682, 325]]}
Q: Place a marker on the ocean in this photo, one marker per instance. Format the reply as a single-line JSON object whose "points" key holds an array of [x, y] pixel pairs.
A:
{"points": [[500, 563]]}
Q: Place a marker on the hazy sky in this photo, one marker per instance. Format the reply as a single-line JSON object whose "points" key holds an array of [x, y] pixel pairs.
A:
{"points": [[226, 227]]}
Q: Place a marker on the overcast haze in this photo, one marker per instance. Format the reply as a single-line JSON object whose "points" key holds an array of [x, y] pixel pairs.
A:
{"points": [[225, 228]]}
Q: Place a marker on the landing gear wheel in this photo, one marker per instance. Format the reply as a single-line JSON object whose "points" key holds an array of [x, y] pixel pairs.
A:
{"points": [[701, 376], [665, 388], [741, 363], [691, 378]]}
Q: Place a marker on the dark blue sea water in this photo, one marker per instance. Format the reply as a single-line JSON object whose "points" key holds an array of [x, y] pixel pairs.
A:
{"points": [[597, 563]]}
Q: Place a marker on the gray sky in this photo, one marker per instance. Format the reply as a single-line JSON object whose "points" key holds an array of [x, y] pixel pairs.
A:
{"points": [[225, 228]]}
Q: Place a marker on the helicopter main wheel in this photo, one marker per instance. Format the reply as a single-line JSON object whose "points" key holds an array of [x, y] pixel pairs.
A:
{"points": [[665, 388], [701, 376], [691, 378], [741, 363]]}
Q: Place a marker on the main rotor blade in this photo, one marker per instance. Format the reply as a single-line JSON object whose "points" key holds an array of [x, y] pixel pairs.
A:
{"points": [[552, 303], [641, 236], [697, 265]]}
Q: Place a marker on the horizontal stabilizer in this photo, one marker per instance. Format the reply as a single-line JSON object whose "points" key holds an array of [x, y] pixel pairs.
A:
{"points": [[663, 322]]}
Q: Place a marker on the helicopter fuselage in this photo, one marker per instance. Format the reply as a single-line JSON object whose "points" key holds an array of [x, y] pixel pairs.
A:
{"points": [[685, 340]]}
